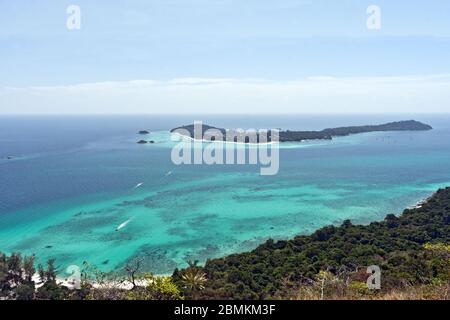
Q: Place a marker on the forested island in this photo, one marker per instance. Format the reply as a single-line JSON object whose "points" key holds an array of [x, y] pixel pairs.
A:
{"points": [[298, 136], [412, 251]]}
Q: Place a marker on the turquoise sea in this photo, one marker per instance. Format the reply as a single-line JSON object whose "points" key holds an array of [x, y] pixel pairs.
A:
{"points": [[71, 183]]}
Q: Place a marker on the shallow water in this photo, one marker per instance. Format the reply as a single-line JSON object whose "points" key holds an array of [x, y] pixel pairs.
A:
{"points": [[73, 181]]}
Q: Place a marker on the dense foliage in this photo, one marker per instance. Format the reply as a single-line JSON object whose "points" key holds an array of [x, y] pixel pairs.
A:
{"points": [[327, 134], [401, 246], [18, 279]]}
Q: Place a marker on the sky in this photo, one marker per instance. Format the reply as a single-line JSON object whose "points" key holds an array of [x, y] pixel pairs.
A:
{"points": [[224, 56]]}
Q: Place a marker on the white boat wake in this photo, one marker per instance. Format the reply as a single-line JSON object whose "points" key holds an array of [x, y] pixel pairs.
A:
{"points": [[138, 185], [123, 225]]}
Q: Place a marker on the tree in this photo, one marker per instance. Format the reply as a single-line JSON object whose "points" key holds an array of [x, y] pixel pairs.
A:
{"points": [[324, 278], [52, 291], [157, 288], [4, 281], [14, 268], [193, 279], [132, 268], [41, 273], [50, 273], [28, 267], [25, 291], [162, 288]]}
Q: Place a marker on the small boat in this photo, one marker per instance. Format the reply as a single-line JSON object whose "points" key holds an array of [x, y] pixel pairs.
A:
{"points": [[123, 225], [138, 185]]}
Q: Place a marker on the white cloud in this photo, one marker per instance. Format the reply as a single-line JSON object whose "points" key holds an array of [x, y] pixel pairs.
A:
{"points": [[322, 94]]}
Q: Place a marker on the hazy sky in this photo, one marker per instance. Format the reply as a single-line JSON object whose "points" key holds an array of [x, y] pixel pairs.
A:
{"points": [[181, 56]]}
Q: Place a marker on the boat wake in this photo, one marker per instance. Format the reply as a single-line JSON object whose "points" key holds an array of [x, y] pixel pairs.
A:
{"points": [[123, 225]]}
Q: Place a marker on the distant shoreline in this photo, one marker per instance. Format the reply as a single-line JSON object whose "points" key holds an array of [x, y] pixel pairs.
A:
{"points": [[210, 133], [224, 142], [419, 204]]}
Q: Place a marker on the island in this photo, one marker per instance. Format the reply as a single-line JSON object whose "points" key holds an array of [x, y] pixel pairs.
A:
{"points": [[299, 136], [144, 132]]}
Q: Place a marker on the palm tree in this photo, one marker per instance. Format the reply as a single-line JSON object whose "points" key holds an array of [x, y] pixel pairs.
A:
{"points": [[14, 267], [28, 267], [193, 279], [50, 273]]}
